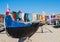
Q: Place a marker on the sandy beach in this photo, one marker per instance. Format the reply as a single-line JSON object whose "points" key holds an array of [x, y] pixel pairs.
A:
{"points": [[50, 34]]}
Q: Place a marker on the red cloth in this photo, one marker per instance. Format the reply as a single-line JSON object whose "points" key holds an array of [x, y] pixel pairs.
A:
{"points": [[14, 17], [7, 13]]}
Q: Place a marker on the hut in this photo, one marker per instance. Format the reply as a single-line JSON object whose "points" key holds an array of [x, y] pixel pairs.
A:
{"points": [[53, 20], [47, 19], [1, 18], [57, 19], [34, 16]]}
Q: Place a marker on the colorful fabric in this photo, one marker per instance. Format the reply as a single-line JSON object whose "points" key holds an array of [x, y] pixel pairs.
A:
{"points": [[40, 17], [7, 13]]}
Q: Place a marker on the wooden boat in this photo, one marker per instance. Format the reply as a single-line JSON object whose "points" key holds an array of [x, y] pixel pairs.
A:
{"points": [[20, 29]]}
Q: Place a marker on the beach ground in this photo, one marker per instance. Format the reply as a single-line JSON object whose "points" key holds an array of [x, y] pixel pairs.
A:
{"points": [[49, 34]]}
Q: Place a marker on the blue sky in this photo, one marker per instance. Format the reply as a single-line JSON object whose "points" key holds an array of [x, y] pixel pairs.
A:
{"points": [[37, 6]]}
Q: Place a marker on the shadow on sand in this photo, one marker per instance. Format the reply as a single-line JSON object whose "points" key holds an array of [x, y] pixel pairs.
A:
{"points": [[42, 30], [20, 40], [3, 32]]}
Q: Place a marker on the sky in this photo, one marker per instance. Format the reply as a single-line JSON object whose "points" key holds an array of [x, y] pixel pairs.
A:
{"points": [[29, 6]]}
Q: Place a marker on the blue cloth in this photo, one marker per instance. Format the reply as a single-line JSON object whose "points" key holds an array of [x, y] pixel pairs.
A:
{"points": [[25, 17]]}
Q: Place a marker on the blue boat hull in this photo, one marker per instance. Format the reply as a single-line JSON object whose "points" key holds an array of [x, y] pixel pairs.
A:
{"points": [[21, 32], [20, 29]]}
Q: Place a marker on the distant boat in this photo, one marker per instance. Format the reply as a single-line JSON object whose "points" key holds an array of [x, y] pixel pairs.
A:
{"points": [[2, 28], [20, 29]]}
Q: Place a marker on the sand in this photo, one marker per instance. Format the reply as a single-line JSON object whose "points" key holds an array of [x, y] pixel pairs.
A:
{"points": [[50, 34]]}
